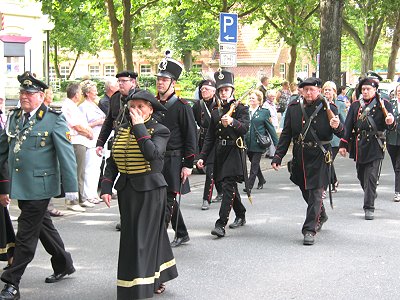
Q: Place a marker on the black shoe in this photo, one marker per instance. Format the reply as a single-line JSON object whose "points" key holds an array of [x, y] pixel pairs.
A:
{"points": [[261, 185], [238, 222], [308, 238], [6, 267], [218, 231], [9, 292], [179, 241], [57, 277], [118, 227], [245, 190], [321, 222]]}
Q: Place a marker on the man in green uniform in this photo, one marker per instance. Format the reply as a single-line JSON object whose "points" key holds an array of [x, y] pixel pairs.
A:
{"points": [[37, 147]]}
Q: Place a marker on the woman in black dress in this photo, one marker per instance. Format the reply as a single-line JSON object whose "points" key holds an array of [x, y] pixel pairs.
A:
{"points": [[145, 256]]}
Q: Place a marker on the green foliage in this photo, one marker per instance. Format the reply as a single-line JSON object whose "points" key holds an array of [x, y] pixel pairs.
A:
{"points": [[64, 84]]}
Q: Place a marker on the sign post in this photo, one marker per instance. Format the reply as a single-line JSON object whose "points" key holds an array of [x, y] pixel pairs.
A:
{"points": [[228, 36]]}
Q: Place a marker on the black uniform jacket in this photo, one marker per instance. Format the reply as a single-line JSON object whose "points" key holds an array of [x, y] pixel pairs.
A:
{"points": [[117, 101], [203, 121], [181, 147], [359, 138], [138, 156], [309, 169], [228, 156]]}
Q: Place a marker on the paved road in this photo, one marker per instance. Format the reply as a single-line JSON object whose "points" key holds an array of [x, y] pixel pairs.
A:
{"points": [[265, 259]]}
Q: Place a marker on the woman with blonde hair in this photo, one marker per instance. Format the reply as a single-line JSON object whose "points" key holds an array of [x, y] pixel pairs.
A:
{"points": [[260, 121], [95, 117]]}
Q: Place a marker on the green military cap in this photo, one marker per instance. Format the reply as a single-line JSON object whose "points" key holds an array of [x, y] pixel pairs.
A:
{"points": [[30, 83]]}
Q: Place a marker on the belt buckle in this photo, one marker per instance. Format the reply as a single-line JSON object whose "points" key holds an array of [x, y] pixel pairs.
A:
{"points": [[223, 142], [363, 133]]}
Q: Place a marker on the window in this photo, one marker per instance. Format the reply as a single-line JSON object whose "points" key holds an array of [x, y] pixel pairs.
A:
{"points": [[145, 70], [94, 71], [305, 68], [64, 72], [196, 67], [109, 70], [282, 70]]}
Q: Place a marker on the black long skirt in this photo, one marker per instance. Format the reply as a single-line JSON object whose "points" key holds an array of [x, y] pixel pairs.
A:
{"points": [[7, 235], [145, 255]]}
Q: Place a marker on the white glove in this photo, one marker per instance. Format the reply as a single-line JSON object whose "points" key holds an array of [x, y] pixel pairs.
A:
{"points": [[72, 196]]}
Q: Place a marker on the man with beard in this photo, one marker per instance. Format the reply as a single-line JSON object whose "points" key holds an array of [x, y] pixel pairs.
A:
{"points": [[365, 124], [307, 124], [181, 147], [225, 134], [202, 114]]}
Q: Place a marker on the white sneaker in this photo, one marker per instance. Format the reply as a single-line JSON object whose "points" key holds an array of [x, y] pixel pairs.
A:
{"points": [[87, 204], [396, 197], [76, 207]]}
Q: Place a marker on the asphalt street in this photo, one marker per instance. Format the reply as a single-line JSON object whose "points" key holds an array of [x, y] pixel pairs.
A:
{"points": [[265, 259]]}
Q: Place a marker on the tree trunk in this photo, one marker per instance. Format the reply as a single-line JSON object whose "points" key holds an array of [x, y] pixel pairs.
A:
{"points": [[394, 50], [56, 66], [187, 60], [74, 65], [126, 35], [367, 59], [371, 37], [114, 24], [292, 64], [330, 40]]}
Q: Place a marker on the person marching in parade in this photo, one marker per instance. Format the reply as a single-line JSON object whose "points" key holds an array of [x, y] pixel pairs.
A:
{"points": [[228, 126], [39, 152], [181, 147], [310, 123], [364, 138], [202, 114], [145, 255]]}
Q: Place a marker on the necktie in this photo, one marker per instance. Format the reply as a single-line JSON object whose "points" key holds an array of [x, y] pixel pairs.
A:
{"points": [[26, 117]]}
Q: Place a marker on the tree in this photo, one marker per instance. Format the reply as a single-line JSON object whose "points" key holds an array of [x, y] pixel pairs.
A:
{"points": [[292, 20], [395, 47], [132, 13], [363, 21], [330, 40], [76, 29]]}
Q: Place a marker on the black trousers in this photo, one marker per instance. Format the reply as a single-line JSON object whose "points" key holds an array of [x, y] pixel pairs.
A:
{"points": [[209, 183], [315, 208], [230, 198], [34, 223], [394, 152], [174, 215], [368, 174], [255, 170]]}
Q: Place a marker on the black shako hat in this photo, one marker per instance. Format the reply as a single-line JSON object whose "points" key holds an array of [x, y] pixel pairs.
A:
{"points": [[127, 73], [373, 75], [372, 81], [224, 78], [146, 96], [207, 82], [170, 68], [311, 81], [30, 84]]}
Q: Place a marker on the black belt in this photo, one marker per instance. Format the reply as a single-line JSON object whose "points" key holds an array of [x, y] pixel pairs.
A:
{"points": [[310, 144], [367, 133], [173, 153], [226, 142]]}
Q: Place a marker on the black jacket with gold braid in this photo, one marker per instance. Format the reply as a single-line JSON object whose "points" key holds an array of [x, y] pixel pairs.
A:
{"points": [[138, 155]]}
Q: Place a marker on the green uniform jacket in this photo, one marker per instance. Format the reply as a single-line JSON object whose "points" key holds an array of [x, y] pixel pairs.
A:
{"points": [[393, 136], [37, 155], [261, 122]]}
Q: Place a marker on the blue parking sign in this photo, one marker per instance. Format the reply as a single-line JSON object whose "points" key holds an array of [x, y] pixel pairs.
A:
{"points": [[228, 28]]}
